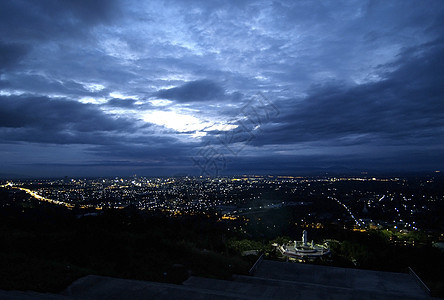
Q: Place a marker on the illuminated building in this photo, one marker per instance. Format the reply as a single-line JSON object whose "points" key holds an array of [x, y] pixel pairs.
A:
{"points": [[303, 249]]}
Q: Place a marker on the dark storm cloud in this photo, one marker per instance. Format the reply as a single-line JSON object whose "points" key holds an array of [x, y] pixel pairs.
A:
{"points": [[406, 106], [200, 90], [149, 155], [10, 54], [42, 20], [403, 160], [353, 81], [45, 35], [41, 119], [161, 149]]}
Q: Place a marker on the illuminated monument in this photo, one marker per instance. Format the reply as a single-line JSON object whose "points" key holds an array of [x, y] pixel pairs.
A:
{"points": [[303, 249]]}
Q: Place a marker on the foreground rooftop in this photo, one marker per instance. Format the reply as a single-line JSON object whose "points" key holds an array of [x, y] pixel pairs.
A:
{"points": [[277, 280]]}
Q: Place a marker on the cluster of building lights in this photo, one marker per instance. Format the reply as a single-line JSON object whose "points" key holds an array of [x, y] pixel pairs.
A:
{"points": [[233, 197]]}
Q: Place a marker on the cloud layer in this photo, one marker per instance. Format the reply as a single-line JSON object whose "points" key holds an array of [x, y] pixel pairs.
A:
{"points": [[123, 87]]}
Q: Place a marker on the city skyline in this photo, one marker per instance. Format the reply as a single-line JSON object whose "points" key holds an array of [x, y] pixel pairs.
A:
{"points": [[115, 88]]}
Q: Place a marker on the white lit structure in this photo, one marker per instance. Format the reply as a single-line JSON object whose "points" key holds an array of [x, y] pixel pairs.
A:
{"points": [[303, 249]]}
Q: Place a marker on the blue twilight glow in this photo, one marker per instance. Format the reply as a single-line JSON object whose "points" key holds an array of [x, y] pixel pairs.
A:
{"points": [[174, 87]]}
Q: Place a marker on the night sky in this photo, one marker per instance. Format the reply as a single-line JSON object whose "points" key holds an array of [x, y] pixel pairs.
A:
{"points": [[116, 88]]}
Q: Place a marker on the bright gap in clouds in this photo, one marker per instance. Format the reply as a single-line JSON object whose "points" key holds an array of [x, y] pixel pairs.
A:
{"points": [[93, 87], [121, 96], [176, 121], [92, 100], [184, 122], [160, 102]]}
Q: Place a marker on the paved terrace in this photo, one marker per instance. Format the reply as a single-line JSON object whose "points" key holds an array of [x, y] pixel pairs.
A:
{"points": [[272, 280], [340, 283]]}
